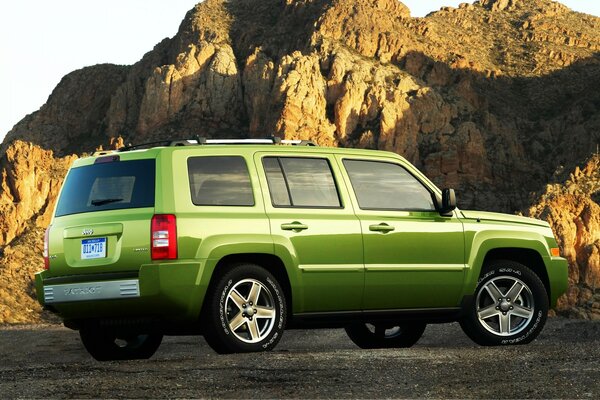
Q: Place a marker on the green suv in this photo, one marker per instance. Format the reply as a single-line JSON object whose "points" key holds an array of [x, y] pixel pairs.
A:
{"points": [[238, 240]]}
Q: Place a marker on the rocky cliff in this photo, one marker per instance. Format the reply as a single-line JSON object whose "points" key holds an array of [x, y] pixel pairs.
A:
{"points": [[494, 98], [573, 209]]}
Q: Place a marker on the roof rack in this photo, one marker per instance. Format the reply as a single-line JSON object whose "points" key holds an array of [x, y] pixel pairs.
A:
{"points": [[269, 140], [201, 141]]}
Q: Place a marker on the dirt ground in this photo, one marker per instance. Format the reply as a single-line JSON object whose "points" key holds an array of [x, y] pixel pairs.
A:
{"points": [[564, 362]]}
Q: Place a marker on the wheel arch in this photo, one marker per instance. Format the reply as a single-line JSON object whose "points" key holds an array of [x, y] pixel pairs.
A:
{"points": [[528, 257], [270, 262]]}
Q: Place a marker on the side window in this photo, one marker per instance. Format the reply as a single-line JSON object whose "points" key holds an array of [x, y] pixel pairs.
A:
{"points": [[277, 185], [301, 182], [387, 186], [220, 181]]}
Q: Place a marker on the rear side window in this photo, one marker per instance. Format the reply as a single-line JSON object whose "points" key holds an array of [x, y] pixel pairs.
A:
{"points": [[301, 182], [108, 186], [387, 186], [220, 181]]}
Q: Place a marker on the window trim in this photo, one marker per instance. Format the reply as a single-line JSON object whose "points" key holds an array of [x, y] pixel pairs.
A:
{"points": [[285, 179], [431, 193], [187, 164]]}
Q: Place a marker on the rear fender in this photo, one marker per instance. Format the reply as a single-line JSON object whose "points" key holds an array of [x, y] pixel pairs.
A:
{"points": [[214, 249]]}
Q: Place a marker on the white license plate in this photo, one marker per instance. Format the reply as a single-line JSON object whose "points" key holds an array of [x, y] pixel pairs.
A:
{"points": [[93, 248]]}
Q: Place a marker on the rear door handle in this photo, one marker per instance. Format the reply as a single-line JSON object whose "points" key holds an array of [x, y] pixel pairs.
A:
{"points": [[294, 226], [383, 228]]}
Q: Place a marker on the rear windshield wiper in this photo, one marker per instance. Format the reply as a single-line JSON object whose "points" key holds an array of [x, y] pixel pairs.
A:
{"points": [[101, 202]]}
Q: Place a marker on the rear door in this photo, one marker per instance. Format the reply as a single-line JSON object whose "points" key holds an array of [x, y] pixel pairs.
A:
{"points": [[102, 219], [312, 220], [414, 258]]}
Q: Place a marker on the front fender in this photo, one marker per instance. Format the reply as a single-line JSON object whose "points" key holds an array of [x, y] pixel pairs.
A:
{"points": [[484, 241]]}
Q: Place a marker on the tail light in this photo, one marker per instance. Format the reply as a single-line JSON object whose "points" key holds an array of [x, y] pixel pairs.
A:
{"points": [[164, 237], [46, 253]]}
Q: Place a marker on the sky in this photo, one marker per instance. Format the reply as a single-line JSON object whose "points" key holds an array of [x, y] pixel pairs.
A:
{"points": [[41, 40]]}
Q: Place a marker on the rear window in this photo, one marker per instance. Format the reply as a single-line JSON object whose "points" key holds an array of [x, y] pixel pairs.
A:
{"points": [[220, 181], [108, 186]]}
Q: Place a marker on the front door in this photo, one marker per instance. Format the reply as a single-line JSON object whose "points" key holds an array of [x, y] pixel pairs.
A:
{"points": [[414, 258]]}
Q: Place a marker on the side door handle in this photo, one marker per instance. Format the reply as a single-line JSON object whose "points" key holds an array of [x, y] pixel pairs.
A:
{"points": [[383, 228], [294, 226]]}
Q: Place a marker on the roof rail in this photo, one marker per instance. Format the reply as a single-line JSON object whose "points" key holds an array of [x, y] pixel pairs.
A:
{"points": [[148, 144], [270, 140], [200, 141]]}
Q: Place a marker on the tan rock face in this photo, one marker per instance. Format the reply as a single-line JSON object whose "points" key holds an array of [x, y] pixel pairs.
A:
{"points": [[18, 263], [30, 179], [490, 98], [574, 213], [299, 92], [73, 119]]}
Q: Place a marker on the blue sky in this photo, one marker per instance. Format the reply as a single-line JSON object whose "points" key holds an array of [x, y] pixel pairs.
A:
{"points": [[41, 41]]}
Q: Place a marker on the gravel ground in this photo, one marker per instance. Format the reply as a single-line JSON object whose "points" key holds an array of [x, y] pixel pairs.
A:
{"points": [[564, 362]]}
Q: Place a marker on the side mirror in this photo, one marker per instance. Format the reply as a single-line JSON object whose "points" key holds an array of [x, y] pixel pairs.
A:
{"points": [[448, 202]]}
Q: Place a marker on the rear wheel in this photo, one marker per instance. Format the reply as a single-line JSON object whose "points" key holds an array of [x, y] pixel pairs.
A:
{"points": [[244, 311], [106, 346], [510, 306], [380, 336]]}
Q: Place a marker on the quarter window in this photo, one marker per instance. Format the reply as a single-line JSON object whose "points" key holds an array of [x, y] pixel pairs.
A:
{"points": [[387, 186], [220, 181], [301, 182]]}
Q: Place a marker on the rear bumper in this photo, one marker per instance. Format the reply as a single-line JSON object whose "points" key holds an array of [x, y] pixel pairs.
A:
{"points": [[558, 276], [166, 291], [89, 291]]}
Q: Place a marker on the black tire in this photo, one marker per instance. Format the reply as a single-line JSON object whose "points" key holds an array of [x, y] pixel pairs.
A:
{"points": [[502, 320], [107, 346], [381, 336], [231, 311]]}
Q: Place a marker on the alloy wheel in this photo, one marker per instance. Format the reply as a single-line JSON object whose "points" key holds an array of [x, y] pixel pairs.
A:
{"points": [[250, 310], [505, 305]]}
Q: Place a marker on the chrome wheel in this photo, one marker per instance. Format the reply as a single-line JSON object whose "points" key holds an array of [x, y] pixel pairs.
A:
{"points": [[505, 305], [250, 310]]}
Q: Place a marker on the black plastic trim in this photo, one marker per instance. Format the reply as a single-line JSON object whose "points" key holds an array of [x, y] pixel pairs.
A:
{"points": [[337, 319]]}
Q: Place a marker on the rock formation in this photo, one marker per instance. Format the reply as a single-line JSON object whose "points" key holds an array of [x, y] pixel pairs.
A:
{"points": [[29, 184], [573, 210], [490, 98]]}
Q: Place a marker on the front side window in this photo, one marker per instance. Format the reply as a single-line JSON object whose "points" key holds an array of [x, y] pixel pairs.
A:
{"points": [[220, 181], [301, 182], [387, 186]]}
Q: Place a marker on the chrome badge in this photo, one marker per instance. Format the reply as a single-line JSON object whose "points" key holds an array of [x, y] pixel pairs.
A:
{"points": [[87, 232]]}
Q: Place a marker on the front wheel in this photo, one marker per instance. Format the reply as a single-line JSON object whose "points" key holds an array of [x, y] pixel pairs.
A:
{"points": [[245, 311], [510, 306], [107, 346], [381, 336]]}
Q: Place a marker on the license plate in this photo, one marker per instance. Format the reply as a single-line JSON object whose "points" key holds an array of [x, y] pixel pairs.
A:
{"points": [[93, 248]]}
